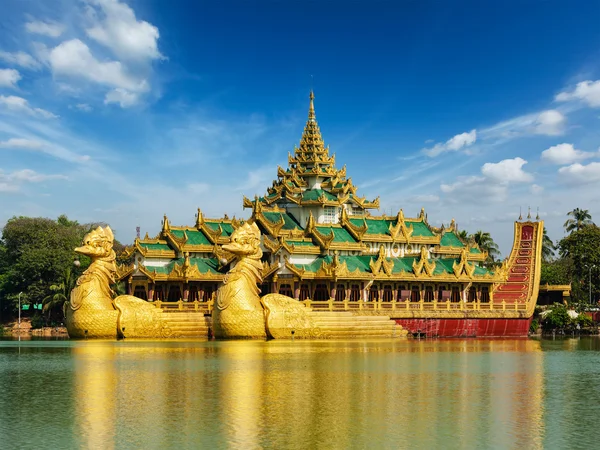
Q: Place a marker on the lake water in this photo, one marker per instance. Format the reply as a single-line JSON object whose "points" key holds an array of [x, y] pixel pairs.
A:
{"points": [[463, 394]]}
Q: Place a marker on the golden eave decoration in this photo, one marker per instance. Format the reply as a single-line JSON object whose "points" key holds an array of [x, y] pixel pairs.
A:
{"points": [[381, 265], [463, 266], [424, 266]]}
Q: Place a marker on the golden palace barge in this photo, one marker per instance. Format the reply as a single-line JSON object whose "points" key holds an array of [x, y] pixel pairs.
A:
{"points": [[322, 247]]}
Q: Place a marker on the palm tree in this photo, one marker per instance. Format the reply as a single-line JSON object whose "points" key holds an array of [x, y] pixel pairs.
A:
{"points": [[485, 242], [579, 219], [60, 293], [463, 235], [548, 247]]}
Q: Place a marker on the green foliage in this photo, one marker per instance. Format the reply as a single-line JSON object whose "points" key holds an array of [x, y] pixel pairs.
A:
{"points": [[548, 247], [485, 242], [60, 293], [535, 325], [36, 259], [557, 319], [559, 271], [578, 219], [584, 321], [582, 248], [37, 321]]}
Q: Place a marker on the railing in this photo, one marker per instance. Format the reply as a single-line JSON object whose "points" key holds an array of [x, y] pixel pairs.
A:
{"points": [[407, 305], [361, 305], [196, 306]]}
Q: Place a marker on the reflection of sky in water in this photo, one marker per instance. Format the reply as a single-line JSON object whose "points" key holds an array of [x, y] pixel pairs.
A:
{"points": [[374, 394]]}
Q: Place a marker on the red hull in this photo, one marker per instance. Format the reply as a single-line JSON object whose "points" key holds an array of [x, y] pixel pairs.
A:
{"points": [[467, 327]]}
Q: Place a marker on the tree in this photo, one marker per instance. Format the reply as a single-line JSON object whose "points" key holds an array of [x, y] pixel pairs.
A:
{"points": [[36, 252], [579, 218], [485, 242], [60, 293], [548, 247], [582, 247], [463, 235]]}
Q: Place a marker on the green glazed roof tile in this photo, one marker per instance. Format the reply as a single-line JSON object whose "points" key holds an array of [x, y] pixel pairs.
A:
{"points": [[450, 239]]}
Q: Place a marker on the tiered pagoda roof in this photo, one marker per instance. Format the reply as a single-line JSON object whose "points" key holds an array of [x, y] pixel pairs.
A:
{"points": [[356, 245], [312, 160]]}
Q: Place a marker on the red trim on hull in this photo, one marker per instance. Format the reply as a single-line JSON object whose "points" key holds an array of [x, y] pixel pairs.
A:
{"points": [[467, 327]]}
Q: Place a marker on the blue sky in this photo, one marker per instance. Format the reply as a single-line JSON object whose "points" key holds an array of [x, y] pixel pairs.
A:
{"points": [[121, 111]]}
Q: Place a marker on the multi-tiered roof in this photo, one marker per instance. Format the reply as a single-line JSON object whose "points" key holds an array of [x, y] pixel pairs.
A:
{"points": [[311, 178], [315, 226]]}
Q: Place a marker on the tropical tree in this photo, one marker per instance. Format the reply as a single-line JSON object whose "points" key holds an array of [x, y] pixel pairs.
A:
{"points": [[60, 293], [582, 248], [548, 247], [463, 235], [485, 242], [578, 219]]}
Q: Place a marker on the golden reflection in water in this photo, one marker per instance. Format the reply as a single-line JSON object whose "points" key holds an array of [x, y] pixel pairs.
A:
{"points": [[95, 395], [438, 394]]}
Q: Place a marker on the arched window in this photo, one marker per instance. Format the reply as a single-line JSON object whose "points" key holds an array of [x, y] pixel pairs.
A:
{"points": [[340, 293], [321, 292], [428, 293], [304, 292], [472, 294], [485, 294], [374, 294], [388, 296], [140, 292], [415, 294], [286, 289], [354, 293]]}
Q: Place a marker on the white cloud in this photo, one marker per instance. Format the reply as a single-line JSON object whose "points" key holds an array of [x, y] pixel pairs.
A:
{"points": [[10, 182], [508, 170], [51, 29], [586, 91], [550, 123], [81, 107], [453, 144], [74, 58], [536, 189], [580, 174], [9, 78], [19, 104], [121, 96], [21, 59], [564, 154], [20, 143], [426, 198], [474, 189], [117, 28]]}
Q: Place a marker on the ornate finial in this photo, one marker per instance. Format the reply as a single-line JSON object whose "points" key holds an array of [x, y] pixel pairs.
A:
{"points": [[166, 226], [537, 216], [520, 214], [199, 219], [311, 109], [453, 225], [422, 213], [529, 212]]}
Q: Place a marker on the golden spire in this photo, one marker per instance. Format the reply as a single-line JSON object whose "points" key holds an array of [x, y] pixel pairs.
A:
{"points": [[311, 109], [311, 143]]}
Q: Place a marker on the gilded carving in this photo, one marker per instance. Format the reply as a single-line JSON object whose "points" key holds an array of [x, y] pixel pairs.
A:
{"points": [[92, 312], [240, 313]]}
